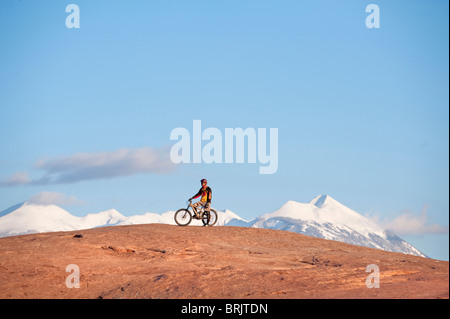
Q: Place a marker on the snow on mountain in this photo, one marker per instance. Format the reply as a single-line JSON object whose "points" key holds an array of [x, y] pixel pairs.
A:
{"points": [[150, 218], [228, 218], [225, 217], [323, 217], [105, 218], [27, 218], [325, 211], [30, 218]]}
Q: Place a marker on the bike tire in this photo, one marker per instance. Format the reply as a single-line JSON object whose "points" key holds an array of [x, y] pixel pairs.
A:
{"points": [[183, 217], [212, 220]]}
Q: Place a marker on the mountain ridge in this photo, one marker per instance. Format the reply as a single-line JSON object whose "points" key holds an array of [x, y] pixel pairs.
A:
{"points": [[324, 217]]}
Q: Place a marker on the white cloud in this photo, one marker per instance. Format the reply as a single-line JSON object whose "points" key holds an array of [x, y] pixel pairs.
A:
{"points": [[16, 179], [90, 166], [54, 198], [408, 223]]}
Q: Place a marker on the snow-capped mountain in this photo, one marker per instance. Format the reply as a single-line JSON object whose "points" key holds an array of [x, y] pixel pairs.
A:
{"points": [[323, 217], [28, 218]]}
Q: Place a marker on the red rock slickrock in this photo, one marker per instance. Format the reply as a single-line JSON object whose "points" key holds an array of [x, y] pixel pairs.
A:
{"points": [[164, 261]]}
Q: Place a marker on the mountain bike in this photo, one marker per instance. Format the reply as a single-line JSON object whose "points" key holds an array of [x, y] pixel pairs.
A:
{"points": [[184, 216]]}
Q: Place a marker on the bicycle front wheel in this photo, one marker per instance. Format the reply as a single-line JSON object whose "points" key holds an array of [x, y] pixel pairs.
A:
{"points": [[183, 217]]}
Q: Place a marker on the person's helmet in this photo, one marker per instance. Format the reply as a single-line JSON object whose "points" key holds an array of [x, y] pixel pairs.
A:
{"points": [[204, 180]]}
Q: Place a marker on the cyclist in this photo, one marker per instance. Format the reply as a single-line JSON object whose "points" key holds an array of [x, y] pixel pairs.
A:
{"points": [[206, 195]]}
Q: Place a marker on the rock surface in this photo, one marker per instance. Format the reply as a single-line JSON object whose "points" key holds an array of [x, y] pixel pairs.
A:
{"points": [[165, 261]]}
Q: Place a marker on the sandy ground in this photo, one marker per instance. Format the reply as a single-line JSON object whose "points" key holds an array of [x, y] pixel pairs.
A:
{"points": [[164, 261]]}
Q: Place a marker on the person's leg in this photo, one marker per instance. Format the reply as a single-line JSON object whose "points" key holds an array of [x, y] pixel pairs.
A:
{"points": [[196, 205]]}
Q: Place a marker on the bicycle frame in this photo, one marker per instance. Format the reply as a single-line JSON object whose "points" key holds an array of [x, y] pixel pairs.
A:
{"points": [[193, 208]]}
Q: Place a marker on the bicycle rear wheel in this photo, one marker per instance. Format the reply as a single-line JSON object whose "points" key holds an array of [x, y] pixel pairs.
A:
{"points": [[183, 217], [209, 218]]}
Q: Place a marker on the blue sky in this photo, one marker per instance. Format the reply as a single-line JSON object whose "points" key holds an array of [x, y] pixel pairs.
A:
{"points": [[362, 114]]}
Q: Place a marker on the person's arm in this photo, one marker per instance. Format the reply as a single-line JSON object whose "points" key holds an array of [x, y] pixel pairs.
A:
{"points": [[209, 197], [197, 195]]}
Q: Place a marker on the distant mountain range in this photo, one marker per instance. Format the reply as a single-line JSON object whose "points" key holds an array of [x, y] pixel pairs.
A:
{"points": [[323, 217], [29, 218]]}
